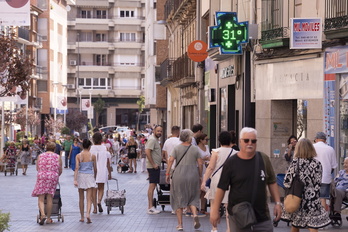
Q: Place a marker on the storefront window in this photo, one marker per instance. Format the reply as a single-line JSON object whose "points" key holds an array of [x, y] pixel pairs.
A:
{"points": [[343, 99], [223, 109]]}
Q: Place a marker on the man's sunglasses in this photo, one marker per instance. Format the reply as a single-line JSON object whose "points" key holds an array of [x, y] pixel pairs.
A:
{"points": [[247, 140]]}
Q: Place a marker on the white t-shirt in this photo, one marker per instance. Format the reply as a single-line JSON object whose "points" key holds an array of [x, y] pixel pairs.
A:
{"points": [[327, 157], [169, 145]]}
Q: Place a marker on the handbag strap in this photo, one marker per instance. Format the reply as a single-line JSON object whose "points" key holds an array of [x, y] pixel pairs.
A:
{"points": [[257, 170], [222, 164], [183, 155]]}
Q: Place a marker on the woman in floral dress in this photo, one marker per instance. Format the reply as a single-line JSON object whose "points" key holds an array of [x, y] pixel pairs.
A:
{"points": [[311, 214], [49, 168]]}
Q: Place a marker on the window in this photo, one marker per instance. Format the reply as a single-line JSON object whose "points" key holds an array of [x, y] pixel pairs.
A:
{"points": [[100, 37], [85, 36], [272, 13], [101, 14], [100, 60], [86, 14], [95, 83], [127, 13], [298, 8], [127, 36]]}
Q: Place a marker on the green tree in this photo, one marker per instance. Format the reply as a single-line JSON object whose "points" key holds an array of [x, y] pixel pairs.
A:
{"points": [[98, 108], [75, 120], [141, 106], [15, 67]]}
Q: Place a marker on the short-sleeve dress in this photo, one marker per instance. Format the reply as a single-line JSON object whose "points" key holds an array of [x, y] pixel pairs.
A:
{"points": [[185, 185], [47, 175], [223, 153], [311, 213], [102, 155]]}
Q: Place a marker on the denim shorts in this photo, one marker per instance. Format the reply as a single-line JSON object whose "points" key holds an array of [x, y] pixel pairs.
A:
{"points": [[325, 191]]}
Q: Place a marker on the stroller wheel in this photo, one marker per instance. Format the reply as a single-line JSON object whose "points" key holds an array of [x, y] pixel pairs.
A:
{"points": [[154, 203], [336, 223], [109, 209]]}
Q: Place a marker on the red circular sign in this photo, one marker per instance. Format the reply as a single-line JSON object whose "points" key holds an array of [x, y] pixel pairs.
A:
{"points": [[197, 51], [17, 3]]}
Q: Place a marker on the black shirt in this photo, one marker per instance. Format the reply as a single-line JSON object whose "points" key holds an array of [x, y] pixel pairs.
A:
{"points": [[239, 174]]}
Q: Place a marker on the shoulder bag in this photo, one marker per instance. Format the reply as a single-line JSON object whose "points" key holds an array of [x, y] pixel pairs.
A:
{"points": [[243, 213], [293, 194], [208, 182], [179, 161]]}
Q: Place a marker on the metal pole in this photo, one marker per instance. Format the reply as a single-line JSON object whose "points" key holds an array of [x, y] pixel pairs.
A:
{"points": [[2, 126], [55, 108], [26, 114]]}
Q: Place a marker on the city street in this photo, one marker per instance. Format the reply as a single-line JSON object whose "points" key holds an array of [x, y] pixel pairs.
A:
{"points": [[15, 195]]}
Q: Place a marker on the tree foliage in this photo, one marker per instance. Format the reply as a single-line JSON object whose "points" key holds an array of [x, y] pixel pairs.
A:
{"points": [[75, 119], [141, 106], [15, 67], [52, 125], [33, 118], [98, 108]]}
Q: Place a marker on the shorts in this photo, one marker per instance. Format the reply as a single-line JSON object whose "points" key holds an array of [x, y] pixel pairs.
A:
{"points": [[154, 175], [265, 226], [325, 191], [132, 155]]}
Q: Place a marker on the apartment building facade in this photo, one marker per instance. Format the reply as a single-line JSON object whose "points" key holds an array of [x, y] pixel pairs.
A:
{"points": [[106, 58]]}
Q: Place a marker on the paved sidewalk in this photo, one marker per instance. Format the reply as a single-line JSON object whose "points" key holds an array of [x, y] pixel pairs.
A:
{"points": [[15, 197]]}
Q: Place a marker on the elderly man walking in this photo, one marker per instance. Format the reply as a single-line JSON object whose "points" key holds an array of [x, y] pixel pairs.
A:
{"points": [[327, 157], [245, 173]]}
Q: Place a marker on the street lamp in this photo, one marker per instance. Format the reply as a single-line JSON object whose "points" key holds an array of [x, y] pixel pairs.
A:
{"points": [[55, 106], [80, 93]]}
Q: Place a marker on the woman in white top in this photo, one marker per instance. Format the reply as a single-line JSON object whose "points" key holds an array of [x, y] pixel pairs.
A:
{"points": [[218, 158], [203, 149], [103, 169]]}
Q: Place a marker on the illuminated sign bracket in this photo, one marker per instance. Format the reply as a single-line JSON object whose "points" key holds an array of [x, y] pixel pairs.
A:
{"points": [[228, 35]]}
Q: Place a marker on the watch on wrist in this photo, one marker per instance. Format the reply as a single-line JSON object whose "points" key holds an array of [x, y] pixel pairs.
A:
{"points": [[278, 203]]}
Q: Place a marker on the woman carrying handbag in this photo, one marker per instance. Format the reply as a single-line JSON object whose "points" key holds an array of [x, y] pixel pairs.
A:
{"points": [[310, 213]]}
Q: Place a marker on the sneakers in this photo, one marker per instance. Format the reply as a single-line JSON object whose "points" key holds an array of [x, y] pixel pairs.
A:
{"points": [[201, 214], [188, 214], [153, 211]]}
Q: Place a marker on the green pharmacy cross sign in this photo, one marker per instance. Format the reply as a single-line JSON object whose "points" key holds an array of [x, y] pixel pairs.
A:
{"points": [[229, 34]]}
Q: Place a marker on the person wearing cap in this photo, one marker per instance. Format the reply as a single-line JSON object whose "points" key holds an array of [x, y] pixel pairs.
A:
{"points": [[327, 157]]}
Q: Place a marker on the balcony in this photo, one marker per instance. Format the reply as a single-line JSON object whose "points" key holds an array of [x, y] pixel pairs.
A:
{"points": [[183, 71], [336, 19], [180, 10], [166, 72], [273, 32]]}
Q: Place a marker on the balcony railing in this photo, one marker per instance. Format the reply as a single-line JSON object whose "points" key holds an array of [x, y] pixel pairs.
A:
{"points": [[91, 63], [183, 67], [166, 69], [172, 6], [336, 14], [23, 33], [272, 25]]}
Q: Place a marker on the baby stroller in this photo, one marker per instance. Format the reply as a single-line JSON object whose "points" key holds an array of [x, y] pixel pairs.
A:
{"points": [[115, 198], [56, 206], [336, 219], [163, 191]]}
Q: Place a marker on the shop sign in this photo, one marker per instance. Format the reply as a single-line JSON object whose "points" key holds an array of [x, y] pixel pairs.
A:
{"points": [[15, 13], [305, 33], [336, 59], [227, 72]]}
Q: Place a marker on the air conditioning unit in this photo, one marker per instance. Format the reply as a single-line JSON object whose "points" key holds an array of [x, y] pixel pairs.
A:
{"points": [[73, 62], [70, 86], [44, 38]]}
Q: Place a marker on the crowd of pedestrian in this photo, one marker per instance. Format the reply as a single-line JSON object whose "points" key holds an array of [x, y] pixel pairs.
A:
{"points": [[224, 177]]}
